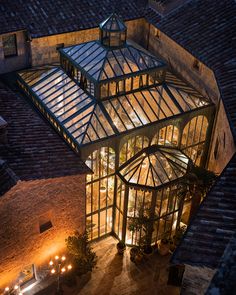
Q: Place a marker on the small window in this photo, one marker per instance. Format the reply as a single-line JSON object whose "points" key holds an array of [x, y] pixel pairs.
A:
{"points": [[157, 33], [197, 65], [224, 140], [45, 221], [60, 45], [9, 45], [216, 149], [45, 226]]}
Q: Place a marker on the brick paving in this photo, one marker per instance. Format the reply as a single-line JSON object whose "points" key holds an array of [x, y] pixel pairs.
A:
{"points": [[115, 274]]}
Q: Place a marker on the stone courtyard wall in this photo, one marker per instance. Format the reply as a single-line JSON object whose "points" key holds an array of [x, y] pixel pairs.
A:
{"points": [[24, 208], [222, 145], [44, 49]]}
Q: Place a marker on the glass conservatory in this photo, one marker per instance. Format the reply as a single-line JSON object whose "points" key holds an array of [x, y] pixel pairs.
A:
{"points": [[113, 102]]}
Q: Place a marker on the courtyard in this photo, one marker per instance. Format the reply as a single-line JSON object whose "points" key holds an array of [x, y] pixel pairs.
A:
{"points": [[116, 274]]}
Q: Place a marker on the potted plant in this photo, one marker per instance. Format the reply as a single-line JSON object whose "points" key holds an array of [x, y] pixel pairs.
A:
{"points": [[136, 254], [164, 246], [79, 248], [120, 246]]}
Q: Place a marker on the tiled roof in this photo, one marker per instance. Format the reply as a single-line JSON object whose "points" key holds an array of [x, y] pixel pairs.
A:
{"points": [[213, 225], [34, 150], [7, 178], [224, 280], [207, 30], [49, 17]]}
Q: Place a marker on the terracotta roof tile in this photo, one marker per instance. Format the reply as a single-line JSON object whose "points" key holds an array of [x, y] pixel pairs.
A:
{"points": [[48, 17], [34, 150], [213, 225]]}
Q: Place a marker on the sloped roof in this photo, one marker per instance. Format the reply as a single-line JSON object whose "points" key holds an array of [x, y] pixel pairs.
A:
{"points": [[224, 282], [154, 166], [42, 18], [34, 150], [207, 30], [113, 24], [83, 117], [102, 63], [213, 225]]}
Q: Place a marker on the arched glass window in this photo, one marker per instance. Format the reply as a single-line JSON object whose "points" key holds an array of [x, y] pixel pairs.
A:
{"points": [[131, 147], [168, 136], [193, 138], [100, 192]]}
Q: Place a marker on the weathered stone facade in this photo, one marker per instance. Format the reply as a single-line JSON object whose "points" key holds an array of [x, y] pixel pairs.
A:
{"points": [[21, 60], [222, 145], [24, 208], [44, 48]]}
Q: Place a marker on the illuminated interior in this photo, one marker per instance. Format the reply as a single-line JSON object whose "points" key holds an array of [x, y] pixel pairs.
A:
{"points": [[113, 102]]}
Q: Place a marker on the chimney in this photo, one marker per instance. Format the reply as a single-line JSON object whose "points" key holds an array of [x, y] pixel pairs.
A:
{"points": [[3, 131]]}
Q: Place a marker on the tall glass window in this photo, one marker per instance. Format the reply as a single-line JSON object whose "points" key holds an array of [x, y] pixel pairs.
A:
{"points": [[168, 136], [131, 147], [193, 138], [100, 192]]}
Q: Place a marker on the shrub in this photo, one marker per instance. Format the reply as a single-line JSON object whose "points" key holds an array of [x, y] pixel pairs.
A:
{"points": [[79, 248]]}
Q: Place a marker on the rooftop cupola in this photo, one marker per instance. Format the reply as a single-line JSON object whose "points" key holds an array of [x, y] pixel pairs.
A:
{"points": [[113, 31]]}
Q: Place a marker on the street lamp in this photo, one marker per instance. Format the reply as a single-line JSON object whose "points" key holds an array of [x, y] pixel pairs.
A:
{"points": [[58, 267]]}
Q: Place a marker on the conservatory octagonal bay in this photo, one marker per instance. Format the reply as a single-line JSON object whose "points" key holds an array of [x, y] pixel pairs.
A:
{"points": [[122, 109]]}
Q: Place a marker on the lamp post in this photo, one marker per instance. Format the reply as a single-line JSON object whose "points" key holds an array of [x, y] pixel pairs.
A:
{"points": [[58, 267]]}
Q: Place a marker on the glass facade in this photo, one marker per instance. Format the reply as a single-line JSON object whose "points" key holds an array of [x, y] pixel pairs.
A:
{"points": [[135, 124]]}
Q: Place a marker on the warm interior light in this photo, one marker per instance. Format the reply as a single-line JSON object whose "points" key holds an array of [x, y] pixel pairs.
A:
{"points": [[56, 257], [20, 293], [144, 164], [16, 287], [53, 270], [69, 266], [51, 262], [63, 258], [7, 289], [103, 189], [63, 269]]}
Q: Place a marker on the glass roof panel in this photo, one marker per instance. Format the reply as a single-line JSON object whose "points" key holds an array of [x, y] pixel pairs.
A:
{"points": [[113, 23], [110, 63], [183, 92], [154, 166], [87, 119]]}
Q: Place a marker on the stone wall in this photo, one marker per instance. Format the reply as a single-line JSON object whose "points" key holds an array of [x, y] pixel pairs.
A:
{"points": [[22, 60], [204, 81], [24, 208], [44, 48], [222, 146]]}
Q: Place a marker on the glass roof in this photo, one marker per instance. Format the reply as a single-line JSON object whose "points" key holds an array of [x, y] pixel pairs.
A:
{"points": [[154, 166], [101, 63], [87, 119], [113, 24]]}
